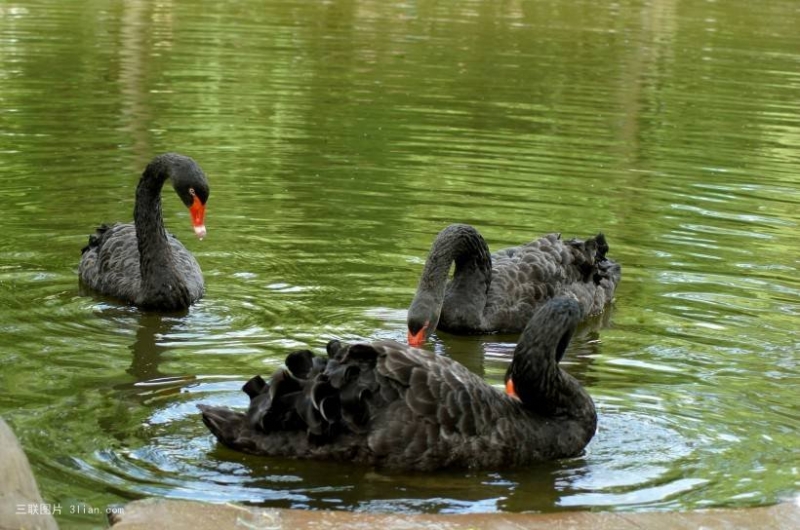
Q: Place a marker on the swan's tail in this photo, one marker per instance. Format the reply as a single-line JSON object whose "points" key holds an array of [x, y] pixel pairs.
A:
{"points": [[318, 398], [599, 274], [607, 269], [96, 239], [601, 247], [228, 426]]}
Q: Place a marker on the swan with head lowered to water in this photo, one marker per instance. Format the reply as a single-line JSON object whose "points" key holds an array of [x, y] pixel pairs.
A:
{"points": [[500, 292]]}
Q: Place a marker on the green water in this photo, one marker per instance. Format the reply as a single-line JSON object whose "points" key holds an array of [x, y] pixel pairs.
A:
{"points": [[339, 137]]}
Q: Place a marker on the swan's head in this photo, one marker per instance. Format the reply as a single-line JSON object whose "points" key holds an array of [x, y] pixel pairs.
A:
{"points": [[191, 185], [541, 347], [423, 317]]}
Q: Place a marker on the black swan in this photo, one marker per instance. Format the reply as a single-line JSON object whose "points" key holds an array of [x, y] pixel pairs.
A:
{"points": [[141, 263], [390, 405], [499, 293]]}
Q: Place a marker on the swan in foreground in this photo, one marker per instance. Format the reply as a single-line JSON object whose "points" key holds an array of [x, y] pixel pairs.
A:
{"points": [[395, 406]]}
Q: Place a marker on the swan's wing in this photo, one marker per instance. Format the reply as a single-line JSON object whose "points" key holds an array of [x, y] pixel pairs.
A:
{"points": [[446, 415], [110, 262], [525, 276], [437, 391], [370, 387], [380, 403]]}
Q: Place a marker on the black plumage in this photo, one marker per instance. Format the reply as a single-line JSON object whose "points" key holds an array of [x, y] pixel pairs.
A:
{"points": [[139, 262], [394, 406], [500, 292]]}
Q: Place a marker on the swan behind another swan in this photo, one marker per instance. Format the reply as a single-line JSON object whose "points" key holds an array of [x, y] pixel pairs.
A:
{"points": [[499, 292]]}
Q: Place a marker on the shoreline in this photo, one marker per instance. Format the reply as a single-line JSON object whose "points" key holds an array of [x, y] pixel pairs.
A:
{"points": [[148, 514], [20, 489]]}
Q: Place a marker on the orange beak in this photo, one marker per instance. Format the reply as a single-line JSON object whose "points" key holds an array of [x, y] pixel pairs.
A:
{"points": [[198, 212], [510, 389]]}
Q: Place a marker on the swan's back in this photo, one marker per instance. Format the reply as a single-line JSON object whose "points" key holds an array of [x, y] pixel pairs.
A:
{"points": [[389, 405], [526, 276], [110, 265]]}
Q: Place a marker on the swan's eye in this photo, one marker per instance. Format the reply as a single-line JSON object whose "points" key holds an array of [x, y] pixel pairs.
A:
{"points": [[192, 192]]}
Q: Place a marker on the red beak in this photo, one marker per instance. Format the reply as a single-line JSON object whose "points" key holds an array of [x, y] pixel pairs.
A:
{"points": [[510, 388], [198, 212], [416, 340]]}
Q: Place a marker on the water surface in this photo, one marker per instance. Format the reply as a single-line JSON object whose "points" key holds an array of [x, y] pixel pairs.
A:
{"points": [[339, 137]]}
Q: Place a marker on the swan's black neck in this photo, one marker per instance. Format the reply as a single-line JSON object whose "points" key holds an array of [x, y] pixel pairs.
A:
{"points": [[539, 382], [466, 295], [158, 275]]}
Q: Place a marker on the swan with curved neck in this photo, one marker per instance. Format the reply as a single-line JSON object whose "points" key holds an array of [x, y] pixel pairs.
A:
{"points": [[140, 263], [391, 405], [499, 292]]}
